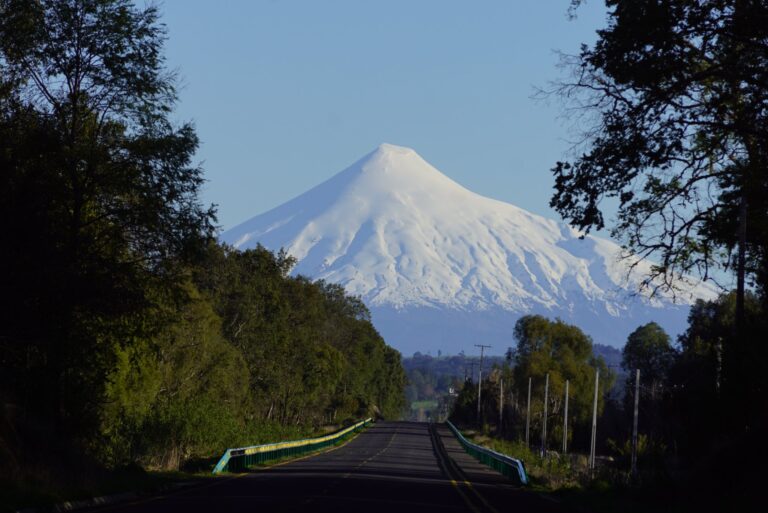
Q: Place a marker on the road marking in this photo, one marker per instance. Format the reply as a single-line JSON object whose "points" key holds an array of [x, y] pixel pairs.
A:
{"points": [[482, 499], [345, 476], [451, 467], [372, 457], [440, 456], [464, 497]]}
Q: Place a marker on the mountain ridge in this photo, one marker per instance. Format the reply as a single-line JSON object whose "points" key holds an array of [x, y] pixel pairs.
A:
{"points": [[406, 238]]}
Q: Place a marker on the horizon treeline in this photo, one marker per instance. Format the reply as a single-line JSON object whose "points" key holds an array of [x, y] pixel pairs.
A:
{"points": [[544, 347], [699, 410], [127, 334]]}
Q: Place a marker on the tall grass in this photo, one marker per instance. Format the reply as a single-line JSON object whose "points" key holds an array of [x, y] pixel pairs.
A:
{"points": [[552, 470]]}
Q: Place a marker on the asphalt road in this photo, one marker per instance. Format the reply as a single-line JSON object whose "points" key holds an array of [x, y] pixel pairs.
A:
{"points": [[392, 466]]}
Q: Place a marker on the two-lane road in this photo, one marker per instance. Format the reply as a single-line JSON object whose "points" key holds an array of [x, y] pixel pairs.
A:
{"points": [[392, 466]]}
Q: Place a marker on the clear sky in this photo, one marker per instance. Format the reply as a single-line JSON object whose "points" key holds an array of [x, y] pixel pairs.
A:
{"points": [[284, 94]]}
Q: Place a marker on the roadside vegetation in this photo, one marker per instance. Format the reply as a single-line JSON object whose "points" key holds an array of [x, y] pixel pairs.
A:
{"points": [[688, 457], [672, 109], [130, 340], [670, 117]]}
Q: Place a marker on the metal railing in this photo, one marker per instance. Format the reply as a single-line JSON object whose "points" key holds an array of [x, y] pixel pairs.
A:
{"points": [[235, 460], [508, 466]]}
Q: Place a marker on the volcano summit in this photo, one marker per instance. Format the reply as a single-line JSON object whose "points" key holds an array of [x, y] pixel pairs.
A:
{"points": [[444, 268]]}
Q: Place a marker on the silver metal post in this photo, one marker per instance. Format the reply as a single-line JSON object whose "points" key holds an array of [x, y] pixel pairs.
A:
{"points": [[501, 401], [544, 424], [634, 424], [528, 416], [565, 420], [594, 423]]}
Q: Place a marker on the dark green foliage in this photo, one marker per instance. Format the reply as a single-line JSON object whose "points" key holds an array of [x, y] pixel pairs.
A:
{"points": [[719, 384], [98, 200], [678, 95], [127, 335], [543, 347], [702, 406], [678, 92], [565, 353], [648, 348], [464, 408], [312, 354], [182, 394]]}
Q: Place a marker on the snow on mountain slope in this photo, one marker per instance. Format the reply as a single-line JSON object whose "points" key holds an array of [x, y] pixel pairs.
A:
{"points": [[424, 252]]}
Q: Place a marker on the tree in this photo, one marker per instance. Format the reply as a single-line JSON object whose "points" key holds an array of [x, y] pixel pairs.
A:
{"points": [[712, 376], [675, 94], [181, 393], [312, 354], [565, 353], [98, 199], [648, 348]]}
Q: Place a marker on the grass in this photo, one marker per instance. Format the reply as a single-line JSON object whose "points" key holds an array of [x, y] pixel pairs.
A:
{"points": [[567, 479], [601, 496], [47, 488], [427, 405], [550, 473], [44, 493]]}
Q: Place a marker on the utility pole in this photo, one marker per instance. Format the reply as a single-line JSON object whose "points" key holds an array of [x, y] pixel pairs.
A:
{"points": [[480, 382], [528, 415], [719, 370], [565, 421], [594, 424], [544, 424], [501, 401], [634, 424]]}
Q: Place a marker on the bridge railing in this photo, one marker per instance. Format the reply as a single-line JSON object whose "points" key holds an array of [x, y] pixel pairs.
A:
{"points": [[235, 460], [508, 466]]}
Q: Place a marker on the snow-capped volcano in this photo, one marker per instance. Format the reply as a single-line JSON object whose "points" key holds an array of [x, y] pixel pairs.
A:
{"points": [[442, 267]]}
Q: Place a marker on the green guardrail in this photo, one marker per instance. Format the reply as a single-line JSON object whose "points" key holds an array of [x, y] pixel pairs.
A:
{"points": [[508, 466], [235, 460]]}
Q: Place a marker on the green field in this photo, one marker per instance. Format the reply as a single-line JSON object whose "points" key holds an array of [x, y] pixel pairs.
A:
{"points": [[427, 405]]}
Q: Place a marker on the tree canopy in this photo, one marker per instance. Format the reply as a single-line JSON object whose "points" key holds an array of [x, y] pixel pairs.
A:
{"points": [[98, 195], [565, 353], [674, 98], [127, 334], [648, 349], [544, 347]]}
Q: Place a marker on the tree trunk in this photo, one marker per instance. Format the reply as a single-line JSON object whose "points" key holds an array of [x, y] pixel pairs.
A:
{"points": [[741, 265]]}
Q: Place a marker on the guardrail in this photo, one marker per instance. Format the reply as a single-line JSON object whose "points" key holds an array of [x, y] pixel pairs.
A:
{"points": [[243, 457], [510, 467]]}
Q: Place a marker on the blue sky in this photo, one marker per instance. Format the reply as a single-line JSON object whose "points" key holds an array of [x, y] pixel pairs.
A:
{"points": [[284, 94]]}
